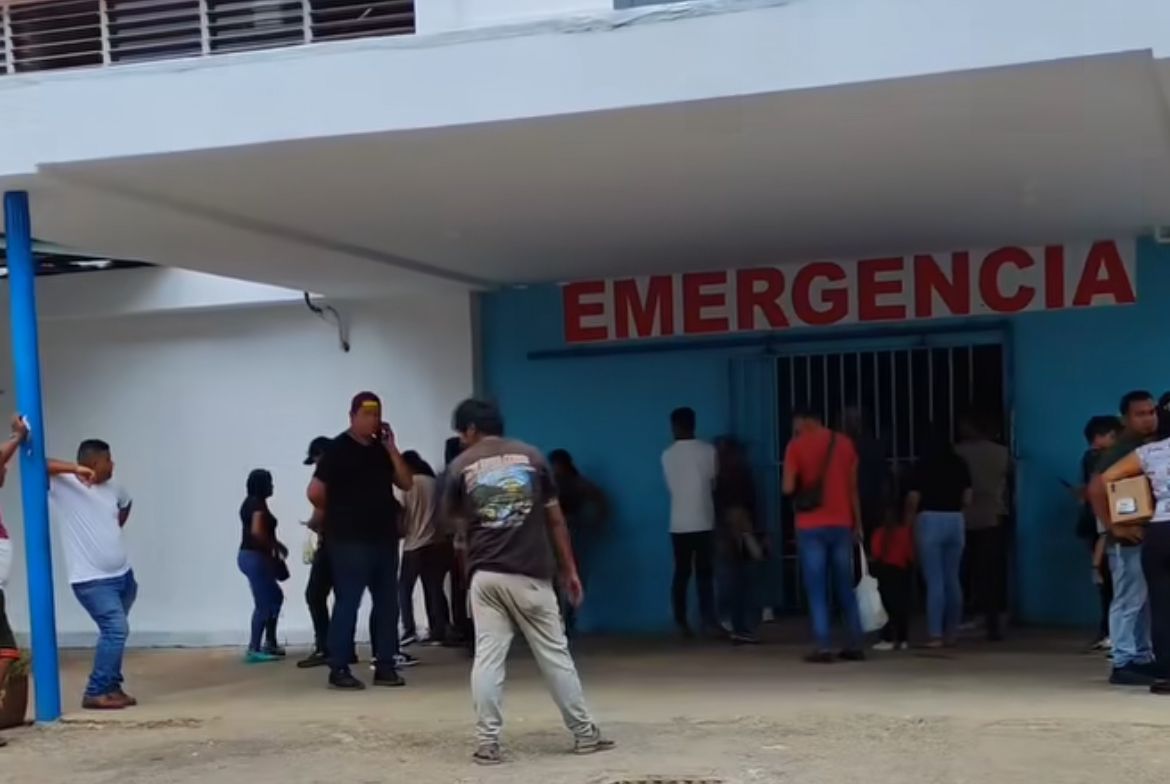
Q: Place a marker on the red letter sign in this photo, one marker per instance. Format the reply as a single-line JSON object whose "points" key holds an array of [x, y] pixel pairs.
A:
{"points": [[837, 299], [657, 307], [577, 311], [695, 300], [989, 280], [1104, 276], [870, 287]]}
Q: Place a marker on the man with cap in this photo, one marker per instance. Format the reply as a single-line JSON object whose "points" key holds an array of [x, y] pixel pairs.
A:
{"points": [[353, 490], [320, 574]]}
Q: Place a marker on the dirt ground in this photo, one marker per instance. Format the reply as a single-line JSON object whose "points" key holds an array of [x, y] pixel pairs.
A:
{"points": [[1036, 710]]}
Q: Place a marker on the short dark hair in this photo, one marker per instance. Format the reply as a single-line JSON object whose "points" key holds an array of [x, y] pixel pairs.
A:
{"points": [[1136, 396], [483, 415], [362, 398], [804, 412], [317, 448], [683, 419], [259, 484], [562, 458], [91, 448], [416, 464], [1101, 425]]}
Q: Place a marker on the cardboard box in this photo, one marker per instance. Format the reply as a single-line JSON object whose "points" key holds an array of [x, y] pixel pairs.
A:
{"points": [[1130, 501]]}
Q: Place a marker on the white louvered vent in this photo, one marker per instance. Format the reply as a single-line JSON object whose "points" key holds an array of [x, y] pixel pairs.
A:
{"points": [[41, 35]]}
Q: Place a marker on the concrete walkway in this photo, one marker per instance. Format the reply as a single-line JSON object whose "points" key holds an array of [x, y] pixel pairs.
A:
{"points": [[1036, 711]]}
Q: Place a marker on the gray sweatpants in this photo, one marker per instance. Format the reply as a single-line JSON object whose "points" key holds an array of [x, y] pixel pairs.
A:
{"points": [[500, 603]]}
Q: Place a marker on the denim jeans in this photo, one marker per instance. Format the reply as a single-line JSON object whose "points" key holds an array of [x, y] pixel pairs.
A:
{"points": [[267, 597], [826, 554], [358, 566], [940, 537], [1129, 615], [108, 602]]}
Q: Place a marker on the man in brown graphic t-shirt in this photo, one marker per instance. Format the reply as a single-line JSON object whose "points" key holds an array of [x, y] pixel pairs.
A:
{"points": [[502, 495]]}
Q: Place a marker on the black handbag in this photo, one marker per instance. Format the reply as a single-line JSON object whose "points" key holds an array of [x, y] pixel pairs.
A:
{"points": [[280, 568], [813, 497]]}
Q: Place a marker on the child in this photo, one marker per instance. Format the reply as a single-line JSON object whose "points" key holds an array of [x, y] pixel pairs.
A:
{"points": [[892, 549], [1100, 436]]}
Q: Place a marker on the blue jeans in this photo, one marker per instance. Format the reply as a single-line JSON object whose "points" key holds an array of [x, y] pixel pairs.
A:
{"points": [[940, 537], [358, 566], [828, 553], [1129, 614], [108, 602], [267, 597]]}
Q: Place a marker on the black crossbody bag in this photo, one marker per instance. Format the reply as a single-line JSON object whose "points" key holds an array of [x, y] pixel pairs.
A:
{"points": [[813, 497]]}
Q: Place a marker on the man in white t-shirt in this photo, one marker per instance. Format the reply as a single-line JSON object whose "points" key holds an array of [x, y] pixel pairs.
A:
{"points": [[689, 466], [90, 512]]}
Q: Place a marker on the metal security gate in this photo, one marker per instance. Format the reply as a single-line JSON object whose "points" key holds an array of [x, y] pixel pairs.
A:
{"points": [[906, 389]]}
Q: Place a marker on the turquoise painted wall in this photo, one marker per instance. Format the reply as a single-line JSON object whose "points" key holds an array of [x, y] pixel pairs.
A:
{"points": [[610, 412]]}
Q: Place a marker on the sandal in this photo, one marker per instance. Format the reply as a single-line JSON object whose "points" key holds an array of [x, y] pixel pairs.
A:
{"points": [[488, 754]]}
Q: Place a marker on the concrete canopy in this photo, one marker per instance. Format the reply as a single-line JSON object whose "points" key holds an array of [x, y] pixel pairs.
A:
{"points": [[1064, 150]]}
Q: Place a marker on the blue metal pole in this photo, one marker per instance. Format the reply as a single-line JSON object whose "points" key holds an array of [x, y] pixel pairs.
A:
{"points": [[34, 478]]}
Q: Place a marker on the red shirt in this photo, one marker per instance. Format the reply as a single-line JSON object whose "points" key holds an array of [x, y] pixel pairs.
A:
{"points": [[806, 453], [893, 546]]}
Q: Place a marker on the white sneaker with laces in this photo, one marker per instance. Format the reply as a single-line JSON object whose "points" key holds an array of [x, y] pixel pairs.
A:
{"points": [[885, 645]]}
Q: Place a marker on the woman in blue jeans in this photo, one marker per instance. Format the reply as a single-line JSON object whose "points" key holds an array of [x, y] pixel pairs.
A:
{"points": [[939, 490], [259, 559]]}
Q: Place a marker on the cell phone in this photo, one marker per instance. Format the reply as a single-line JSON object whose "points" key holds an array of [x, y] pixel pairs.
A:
{"points": [[384, 431]]}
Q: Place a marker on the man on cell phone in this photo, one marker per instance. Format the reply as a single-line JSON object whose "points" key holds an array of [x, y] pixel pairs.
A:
{"points": [[353, 487]]}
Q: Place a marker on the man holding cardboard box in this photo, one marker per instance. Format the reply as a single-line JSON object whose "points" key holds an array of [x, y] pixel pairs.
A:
{"points": [[1126, 506]]}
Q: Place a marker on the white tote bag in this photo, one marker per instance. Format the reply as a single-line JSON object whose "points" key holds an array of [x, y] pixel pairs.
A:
{"points": [[869, 598], [5, 561]]}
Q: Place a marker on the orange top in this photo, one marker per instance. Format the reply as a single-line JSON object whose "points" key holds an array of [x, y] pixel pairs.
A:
{"points": [[807, 454]]}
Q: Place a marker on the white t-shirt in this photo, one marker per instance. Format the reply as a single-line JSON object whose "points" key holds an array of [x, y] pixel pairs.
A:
{"points": [[88, 520], [689, 467]]}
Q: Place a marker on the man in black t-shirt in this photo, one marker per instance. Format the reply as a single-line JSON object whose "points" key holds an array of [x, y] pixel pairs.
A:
{"points": [[501, 494], [353, 487]]}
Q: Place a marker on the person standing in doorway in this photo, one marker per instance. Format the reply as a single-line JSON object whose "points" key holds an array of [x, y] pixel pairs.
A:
{"points": [[353, 486], [820, 476], [742, 539], [320, 584], [502, 493], [259, 559], [9, 653], [1129, 614], [586, 511], [873, 472], [939, 491], [689, 466], [424, 555], [892, 547], [91, 511], [990, 466]]}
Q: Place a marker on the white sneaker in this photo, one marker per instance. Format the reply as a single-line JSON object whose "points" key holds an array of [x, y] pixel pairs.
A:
{"points": [[885, 645], [902, 646]]}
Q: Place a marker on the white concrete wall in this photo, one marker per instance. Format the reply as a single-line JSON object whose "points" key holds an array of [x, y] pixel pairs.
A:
{"points": [[669, 54], [191, 401]]}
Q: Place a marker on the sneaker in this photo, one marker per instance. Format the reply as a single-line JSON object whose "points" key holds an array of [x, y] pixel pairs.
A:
{"points": [[592, 743], [275, 650], [852, 655], [885, 645], [126, 698], [388, 677], [488, 754], [344, 680], [1104, 644], [902, 646], [314, 659], [103, 702], [1161, 688], [744, 639], [405, 660], [1130, 675], [408, 639], [820, 657], [259, 657]]}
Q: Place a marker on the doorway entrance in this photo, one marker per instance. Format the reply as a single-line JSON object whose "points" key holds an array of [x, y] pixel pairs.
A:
{"points": [[905, 388]]}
